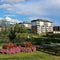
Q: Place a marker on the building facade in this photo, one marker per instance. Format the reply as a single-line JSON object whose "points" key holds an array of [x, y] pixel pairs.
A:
{"points": [[56, 29], [40, 26]]}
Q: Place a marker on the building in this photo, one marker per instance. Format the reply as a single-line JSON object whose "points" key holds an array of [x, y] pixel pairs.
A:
{"points": [[56, 29], [27, 25], [40, 26]]}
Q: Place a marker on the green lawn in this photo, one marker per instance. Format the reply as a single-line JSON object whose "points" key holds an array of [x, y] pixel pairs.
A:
{"points": [[29, 56]]}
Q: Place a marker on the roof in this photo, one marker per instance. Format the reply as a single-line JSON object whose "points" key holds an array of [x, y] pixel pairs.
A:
{"points": [[56, 26], [41, 20], [25, 23]]}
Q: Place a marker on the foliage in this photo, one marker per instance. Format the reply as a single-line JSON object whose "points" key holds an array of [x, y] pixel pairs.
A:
{"points": [[16, 28], [20, 29], [11, 48], [21, 35], [54, 50], [26, 44], [12, 35], [23, 29], [9, 45]]}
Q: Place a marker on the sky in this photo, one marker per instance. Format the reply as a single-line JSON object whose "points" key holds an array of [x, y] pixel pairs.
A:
{"points": [[27, 10]]}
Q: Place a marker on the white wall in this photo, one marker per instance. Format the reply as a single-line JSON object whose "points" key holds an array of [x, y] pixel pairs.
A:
{"points": [[49, 24], [56, 31], [27, 25], [41, 23]]}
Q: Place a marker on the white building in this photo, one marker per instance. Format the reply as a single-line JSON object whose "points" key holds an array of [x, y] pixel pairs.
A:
{"points": [[41, 26]]}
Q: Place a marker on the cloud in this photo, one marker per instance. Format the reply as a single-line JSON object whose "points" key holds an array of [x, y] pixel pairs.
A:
{"points": [[9, 15], [33, 7], [51, 6], [12, 1], [8, 20], [39, 7], [44, 9], [29, 8], [7, 7], [11, 20]]}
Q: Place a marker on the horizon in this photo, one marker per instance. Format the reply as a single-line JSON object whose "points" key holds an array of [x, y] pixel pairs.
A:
{"points": [[27, 10]]}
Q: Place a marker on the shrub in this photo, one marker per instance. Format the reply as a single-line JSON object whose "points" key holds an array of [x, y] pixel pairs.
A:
{"points": [[3, 51], [18, 49], [11, 51], [29, 50], [26, 44], [33, 48], [10, 48], [12, 35], [9, 45]]}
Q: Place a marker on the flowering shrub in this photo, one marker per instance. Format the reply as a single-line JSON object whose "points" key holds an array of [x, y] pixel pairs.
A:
{"points": [[27, 47], [33, 48], [18, 49], [9, 45], [3, 51], [29, 50], [11, 48], [26, 44], [23, 49], [11, 51]]}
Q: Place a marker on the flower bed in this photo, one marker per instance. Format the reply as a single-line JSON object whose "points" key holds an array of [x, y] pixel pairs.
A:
{"points": [[11, 48]]}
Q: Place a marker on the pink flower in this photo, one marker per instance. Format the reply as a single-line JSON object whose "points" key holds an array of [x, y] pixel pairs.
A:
{"points": [[11, 51], [18, 49], [2, 51], [29, 50], [23, 49], [33, 48]]}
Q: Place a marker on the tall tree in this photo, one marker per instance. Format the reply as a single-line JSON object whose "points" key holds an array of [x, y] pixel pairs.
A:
{"points": [[23, 29], [12, 35], [16, 28]]}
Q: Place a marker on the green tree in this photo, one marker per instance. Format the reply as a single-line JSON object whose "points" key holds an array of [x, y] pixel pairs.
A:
{"points": [[23, 29], [12, 35], [16, 28]]}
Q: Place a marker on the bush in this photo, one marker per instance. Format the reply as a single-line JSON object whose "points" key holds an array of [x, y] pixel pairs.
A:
{"points": [[26, 44], [10, 48], [21, 35], [12, 35], [9, 45]]}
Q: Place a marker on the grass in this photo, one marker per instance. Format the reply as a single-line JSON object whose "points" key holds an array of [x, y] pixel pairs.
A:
{"points": [[29, 56]]}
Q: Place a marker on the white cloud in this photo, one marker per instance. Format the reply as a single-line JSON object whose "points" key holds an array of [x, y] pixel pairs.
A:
{"points": [[38, 7], [11, 20], [0, 18], [7, 7], [9, 15], [8, 20], [29, 8], [12, 1], [35, 8], [36, 17]]}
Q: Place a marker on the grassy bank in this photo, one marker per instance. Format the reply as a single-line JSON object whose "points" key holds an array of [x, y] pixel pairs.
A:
{"points": [[29, 56]]}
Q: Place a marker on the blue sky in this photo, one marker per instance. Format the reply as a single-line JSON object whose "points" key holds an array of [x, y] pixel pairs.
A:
{"points": [[27, 10]]}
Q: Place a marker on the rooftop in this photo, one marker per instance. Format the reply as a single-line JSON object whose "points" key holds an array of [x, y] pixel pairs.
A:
{"points": [[25, 23], [41, 20]]}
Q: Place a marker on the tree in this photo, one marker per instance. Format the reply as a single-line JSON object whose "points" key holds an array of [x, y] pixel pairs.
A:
{"points": [[20, 29], [16, 28], [23, 29], [12, 35]]}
